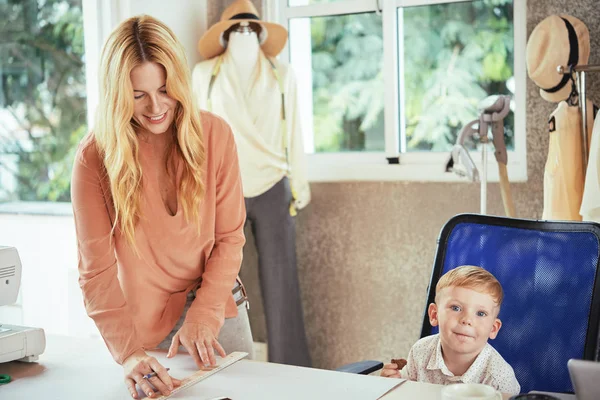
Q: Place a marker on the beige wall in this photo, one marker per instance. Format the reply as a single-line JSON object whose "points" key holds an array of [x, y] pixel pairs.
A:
{"points": [[216, 7], [365, 250]]}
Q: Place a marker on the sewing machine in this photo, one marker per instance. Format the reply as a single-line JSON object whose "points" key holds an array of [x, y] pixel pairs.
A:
{"points": [[16, 342]]}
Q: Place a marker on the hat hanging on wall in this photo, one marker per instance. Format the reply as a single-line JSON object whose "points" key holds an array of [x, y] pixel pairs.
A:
{"points": [[272, 39], [556, 40]]}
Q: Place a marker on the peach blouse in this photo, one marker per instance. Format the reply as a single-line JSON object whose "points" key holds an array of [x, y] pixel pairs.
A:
{"points": [[134, 300]]}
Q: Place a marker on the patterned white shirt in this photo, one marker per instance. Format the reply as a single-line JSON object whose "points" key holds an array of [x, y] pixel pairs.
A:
{"points": [[426, 364]]}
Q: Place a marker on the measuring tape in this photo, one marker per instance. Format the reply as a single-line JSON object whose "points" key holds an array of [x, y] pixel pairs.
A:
{"points": [[205, 373]]}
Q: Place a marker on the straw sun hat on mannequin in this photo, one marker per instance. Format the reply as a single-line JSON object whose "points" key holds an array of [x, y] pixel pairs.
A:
{"points": [[556, 40], [272, 36]]}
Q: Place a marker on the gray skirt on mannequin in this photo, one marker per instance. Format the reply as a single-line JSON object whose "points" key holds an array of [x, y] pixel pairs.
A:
{"points": [[235, 335]]}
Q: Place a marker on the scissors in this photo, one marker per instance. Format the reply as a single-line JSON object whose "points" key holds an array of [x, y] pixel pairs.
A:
{"points": [[4, 379]]}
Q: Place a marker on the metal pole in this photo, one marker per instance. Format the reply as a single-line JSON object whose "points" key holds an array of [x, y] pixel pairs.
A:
{"points": [[483, 178], [583, 105], [577, 68]]}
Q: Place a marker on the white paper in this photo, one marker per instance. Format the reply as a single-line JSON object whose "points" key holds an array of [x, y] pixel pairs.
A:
{"points": [[249, 380]]}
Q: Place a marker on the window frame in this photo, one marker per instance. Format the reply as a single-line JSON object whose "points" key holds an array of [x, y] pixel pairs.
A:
{"points": [[100, 17], [412, 166]]}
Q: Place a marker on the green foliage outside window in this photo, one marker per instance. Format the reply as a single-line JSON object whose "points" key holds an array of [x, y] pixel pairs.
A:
{"points": [[455, 55], [42, 97], [347, 60]]}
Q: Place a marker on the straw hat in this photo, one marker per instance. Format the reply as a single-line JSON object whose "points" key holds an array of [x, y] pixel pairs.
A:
{"points": [[273, 36], [556, 40]]}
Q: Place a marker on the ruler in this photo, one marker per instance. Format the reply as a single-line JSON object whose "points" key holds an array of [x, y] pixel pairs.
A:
{"points": [[206, 372]]}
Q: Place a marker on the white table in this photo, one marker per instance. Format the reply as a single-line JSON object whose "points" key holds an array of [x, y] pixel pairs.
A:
{"points": [[81, 368]]}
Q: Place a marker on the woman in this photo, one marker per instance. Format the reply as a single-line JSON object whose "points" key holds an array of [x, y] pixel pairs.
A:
{"points": [[159, 212]]}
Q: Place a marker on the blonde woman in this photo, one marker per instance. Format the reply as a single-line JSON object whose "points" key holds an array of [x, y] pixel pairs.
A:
{"points": [[159, 212]]}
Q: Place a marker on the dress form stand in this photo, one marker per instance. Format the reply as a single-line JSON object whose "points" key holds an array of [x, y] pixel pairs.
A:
{"points": [[272, 226]]}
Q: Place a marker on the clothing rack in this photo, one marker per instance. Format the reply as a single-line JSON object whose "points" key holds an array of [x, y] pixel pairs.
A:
{"points": [[581, 71]]}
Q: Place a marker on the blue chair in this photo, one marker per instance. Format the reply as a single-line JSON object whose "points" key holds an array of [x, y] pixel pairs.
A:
{"points": [[550, 276]]}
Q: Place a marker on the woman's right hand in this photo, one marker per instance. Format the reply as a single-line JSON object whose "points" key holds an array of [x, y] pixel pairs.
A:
{"points": [[139, 364]]}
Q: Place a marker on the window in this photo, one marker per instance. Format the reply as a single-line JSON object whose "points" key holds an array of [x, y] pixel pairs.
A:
{"points": [[42, 98], [43, 116], [344, 55], [386, 86]]}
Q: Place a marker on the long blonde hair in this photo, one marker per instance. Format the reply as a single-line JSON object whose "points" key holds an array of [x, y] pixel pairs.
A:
{"points": [[136, 41]]}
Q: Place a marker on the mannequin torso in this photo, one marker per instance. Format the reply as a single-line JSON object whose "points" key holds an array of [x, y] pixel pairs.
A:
{"points": [[243, 49]]}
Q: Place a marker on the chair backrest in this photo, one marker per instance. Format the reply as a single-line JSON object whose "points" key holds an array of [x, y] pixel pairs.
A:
{"points": [[550, 277]]}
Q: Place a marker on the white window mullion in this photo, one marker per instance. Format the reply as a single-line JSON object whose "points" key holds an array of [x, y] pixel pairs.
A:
{"points": [[300, 54], [520, 43], [326, 9], [412, 3], [95, 24], [279, 11], [271, 11], [99, 20], [391, 69]]}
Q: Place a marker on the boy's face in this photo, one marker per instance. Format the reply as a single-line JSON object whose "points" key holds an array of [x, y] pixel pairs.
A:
{"points": [[466, 318]]}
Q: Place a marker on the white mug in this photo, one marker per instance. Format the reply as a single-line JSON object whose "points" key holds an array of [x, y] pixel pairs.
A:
{"points": [[470, 391]]}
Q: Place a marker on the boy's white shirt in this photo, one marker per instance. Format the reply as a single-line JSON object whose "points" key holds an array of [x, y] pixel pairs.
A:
{"points": [[426, 364]]}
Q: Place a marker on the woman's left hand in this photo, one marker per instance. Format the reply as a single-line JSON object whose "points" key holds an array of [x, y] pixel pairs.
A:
{"points": [[199, 341]]}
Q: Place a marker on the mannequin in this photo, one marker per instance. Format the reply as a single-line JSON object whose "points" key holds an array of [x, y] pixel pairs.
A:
{"points": [[244, 86]]}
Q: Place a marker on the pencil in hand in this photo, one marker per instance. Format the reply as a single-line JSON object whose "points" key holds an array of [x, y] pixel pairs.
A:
{"points": [[151, 374]]}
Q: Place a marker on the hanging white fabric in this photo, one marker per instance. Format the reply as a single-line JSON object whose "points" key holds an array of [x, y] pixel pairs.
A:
{"points": [[563, 172], [590, 204]]}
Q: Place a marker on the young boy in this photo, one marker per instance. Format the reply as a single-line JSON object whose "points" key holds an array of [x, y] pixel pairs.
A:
{"points": [[466, 308]]}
